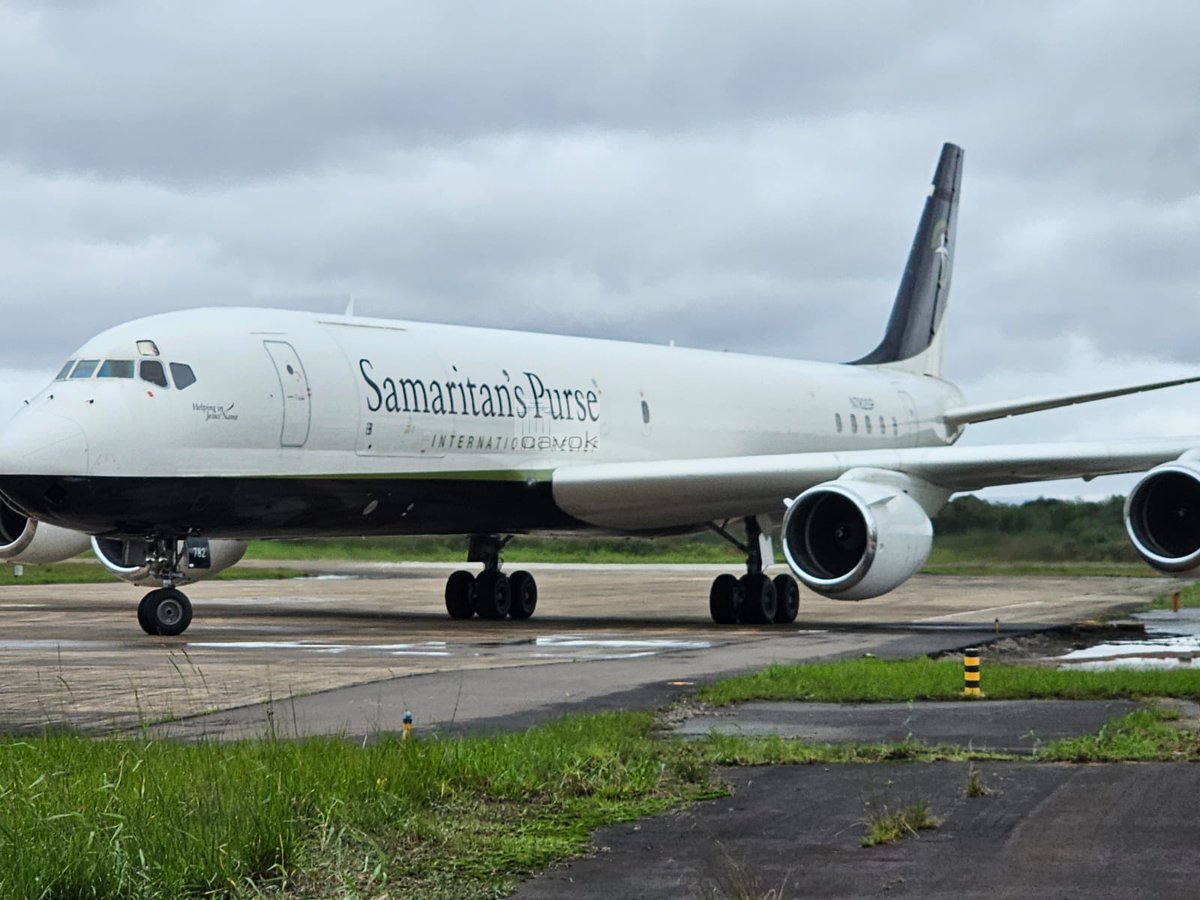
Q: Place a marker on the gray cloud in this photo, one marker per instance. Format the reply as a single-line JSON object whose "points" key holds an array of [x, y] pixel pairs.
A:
{"points": [[735, 176]]}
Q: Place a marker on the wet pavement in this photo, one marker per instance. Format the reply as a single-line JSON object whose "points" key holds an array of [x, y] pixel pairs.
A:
{"points": [[351, 654], [1172, 640]]}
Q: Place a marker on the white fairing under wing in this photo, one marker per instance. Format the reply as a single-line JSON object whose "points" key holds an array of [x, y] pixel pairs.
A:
{"points": [[26, 540], [664, 493]]}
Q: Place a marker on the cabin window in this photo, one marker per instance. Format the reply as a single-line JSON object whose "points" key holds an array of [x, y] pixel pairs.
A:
{"points": [[853, 423], [85, 368], [65, 371], [152, 371], [882, 426], [867, 423], [183, 375], [837, 420], [147, 348], [116, 368], [895, 428], [645, 412]]}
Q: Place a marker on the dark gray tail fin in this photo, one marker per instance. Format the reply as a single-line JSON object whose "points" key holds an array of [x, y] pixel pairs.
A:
{"points": [[912, 340]]}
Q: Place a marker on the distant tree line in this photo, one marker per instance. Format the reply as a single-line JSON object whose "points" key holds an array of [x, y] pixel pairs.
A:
{"points": [[1043, 529], [968, 529]]}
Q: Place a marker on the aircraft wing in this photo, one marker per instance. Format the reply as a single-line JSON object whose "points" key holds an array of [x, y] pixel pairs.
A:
{"points": [[664, 493], [986, 412]]}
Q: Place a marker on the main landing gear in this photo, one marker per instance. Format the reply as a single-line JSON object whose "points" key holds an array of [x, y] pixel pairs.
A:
{"points": [[164, 611], [755, 598], [491, 594]]}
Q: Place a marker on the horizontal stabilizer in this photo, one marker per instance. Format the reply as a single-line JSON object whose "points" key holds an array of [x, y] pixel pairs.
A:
{"points": [[984, 412]]}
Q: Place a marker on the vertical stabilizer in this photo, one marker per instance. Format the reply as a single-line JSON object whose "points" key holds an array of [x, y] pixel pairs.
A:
{"points": [[913, 340]]}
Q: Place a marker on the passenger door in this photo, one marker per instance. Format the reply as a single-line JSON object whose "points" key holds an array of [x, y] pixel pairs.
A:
{"points": [[293, 386]]}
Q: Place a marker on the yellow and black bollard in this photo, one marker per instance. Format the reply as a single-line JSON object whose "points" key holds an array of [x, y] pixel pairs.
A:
{"points": [[407, 725], [971, 673]]}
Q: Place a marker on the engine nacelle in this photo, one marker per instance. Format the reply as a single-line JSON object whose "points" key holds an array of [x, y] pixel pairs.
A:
{"points": [[855, 539], [26, 540], [201, 557], [1162, 516]]}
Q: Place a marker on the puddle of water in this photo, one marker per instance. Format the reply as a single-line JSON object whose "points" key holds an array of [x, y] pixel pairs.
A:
{"points": [[650, 646], [52, 644], [426, 648], [571, 645], [1172, 641]]}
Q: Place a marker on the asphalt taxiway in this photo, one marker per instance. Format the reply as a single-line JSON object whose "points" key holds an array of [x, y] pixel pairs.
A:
{"points": [[1106, 832], [352, 652]]}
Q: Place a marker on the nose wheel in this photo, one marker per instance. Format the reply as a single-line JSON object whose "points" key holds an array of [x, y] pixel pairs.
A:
{"points": [[491, 594], [165, 611]]}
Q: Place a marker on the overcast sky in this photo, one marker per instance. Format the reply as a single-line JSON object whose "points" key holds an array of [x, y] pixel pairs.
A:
{"points": [[725, 175]]}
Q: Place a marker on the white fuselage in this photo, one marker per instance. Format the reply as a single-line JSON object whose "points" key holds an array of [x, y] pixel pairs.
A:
{"points": [[285, 394]]}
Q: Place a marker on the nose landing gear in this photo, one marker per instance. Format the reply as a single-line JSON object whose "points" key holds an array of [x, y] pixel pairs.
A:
{"points": [[164, 611], [491, 594]]}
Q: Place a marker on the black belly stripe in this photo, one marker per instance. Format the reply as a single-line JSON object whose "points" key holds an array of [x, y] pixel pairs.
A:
{"points": [[290, 507]]}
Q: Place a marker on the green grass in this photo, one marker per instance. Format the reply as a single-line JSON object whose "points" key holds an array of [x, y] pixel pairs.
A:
{"points": [[93, 572], [705, 548], [1189, 598], [430, 818], [1143, 735], [886, 825], [451, 817], [874, 680], [1003, 568], [976, 786]]}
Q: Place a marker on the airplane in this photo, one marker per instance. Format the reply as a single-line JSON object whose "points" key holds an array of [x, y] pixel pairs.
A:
{"points": [[167, 442]]}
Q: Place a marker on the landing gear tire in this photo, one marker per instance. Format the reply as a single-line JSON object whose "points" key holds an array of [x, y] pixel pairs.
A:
{"points": [[165, 612], [493, 595], [460, 595], [524, 595], [787, 599], [723, 599], [758, 600]]}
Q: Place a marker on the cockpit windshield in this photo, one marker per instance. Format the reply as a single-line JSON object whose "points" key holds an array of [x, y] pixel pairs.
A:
{"points": [[116, 368], [183, 375], [151, 370]]}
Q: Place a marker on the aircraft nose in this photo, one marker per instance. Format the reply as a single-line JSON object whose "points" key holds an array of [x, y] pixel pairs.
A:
{"points": [[43, 443]]}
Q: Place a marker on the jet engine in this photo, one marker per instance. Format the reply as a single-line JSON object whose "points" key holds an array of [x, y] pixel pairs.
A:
{"points": [[128, 559], [26, 540], [852, 539], [1162, 516]]}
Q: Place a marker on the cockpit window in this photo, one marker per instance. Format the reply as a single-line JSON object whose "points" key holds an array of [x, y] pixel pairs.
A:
{"points": [[183, 375], [65, 371], [116, 368], [147, 348], [152, 371], [85, 368]]}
